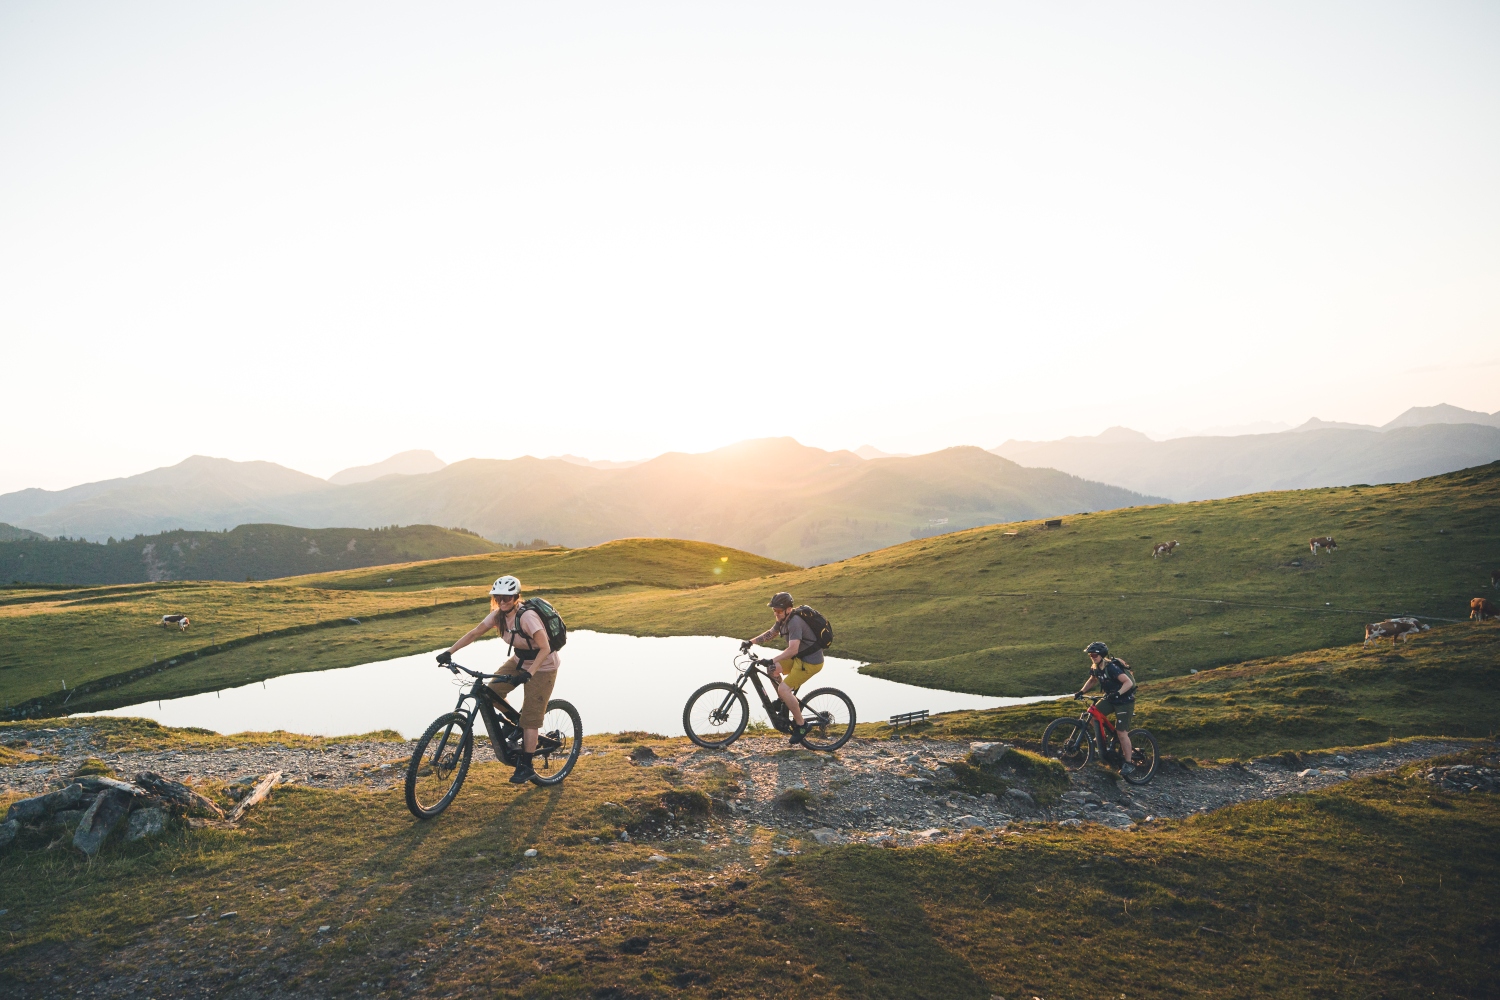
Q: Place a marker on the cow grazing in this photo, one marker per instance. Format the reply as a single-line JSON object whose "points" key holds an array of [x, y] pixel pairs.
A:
{"points": [[1481, 608], [1326, 542], [1162, 549], [1393, 629], [181, 621]]}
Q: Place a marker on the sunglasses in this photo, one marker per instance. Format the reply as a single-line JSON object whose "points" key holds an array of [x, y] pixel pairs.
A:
{"points": [[506, 598]]}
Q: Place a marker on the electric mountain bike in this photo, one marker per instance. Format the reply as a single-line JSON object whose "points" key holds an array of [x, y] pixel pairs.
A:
{"points": [[1075, 742], [717, 713], [440, 762]]}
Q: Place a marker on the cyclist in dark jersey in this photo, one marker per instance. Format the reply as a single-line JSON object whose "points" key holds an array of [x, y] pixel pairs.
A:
{"points": [[1113, 675]]}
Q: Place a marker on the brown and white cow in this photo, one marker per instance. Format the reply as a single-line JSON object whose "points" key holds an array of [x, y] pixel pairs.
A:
{"points": [[1326, 542], [1481, 608], [1162, 549], [181, 621], [1393, 629]]}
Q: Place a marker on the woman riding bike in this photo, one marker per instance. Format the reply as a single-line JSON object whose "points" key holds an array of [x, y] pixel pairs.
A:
{"points": [[532, 657], [1113, 675]]}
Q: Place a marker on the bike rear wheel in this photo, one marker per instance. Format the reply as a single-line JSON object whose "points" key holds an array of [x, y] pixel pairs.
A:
{"points": [[1067, 742], [439, 765], [1142, 755], [716, 715], [832, 716], [557, 744]]}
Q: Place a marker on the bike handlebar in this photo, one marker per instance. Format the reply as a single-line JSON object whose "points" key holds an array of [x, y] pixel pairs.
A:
{"points": [[454, 668]]}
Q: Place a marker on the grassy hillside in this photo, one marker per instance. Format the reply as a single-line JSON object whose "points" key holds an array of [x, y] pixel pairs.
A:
{"points": [[10, 533], [1359, 891], [1007, 614], [104, 643], [1442, 684], [980, 610], [250, 551]]}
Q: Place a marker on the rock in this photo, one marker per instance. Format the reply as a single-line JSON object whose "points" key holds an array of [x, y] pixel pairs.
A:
{"points": [[1310, 772], [227, 914], [32, 809], [635, 945], [99, 783], [987, 753], [826, 836], [657, 858], [144, 823], [919, 782], [100, 820], [1017, 796], [927, 835], [968, 822], [325, 929], [178, 793], [531, 852], [1071, 822], [642, 753], [8, 831]]}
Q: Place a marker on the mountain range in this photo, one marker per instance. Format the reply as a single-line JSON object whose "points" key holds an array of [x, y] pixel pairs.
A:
{"points": [[774, 497], [1423, 441]]}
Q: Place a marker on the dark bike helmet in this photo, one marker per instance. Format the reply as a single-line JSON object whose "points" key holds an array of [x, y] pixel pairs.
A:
{"points": [[1096, 647], [781, 600]]}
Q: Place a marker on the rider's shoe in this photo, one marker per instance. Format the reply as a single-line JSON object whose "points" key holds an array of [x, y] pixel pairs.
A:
{"points": [[1127, 768], [799, 731], [524, 770]]}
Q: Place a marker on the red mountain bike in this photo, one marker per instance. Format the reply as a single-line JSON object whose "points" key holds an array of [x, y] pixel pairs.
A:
{"points": [[1075, 742]]}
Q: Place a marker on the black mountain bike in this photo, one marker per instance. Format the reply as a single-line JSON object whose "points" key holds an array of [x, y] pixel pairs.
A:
{"points": [[440, 762], [1074, 742], [717, 713]]}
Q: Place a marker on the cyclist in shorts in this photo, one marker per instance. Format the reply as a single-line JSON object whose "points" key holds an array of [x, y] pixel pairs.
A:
{"points": [[1113, 675], [528, 639], [789, 670]]}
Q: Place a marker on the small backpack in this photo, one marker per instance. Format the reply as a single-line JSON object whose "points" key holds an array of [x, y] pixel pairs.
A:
{"points": [[1125, 667], [557, 630], [819, 626]]}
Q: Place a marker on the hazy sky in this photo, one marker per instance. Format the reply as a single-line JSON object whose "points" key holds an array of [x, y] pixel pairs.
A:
{"points": [[320, 233]]}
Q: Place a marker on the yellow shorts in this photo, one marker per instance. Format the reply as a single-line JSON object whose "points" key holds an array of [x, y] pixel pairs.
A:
{"points": [[797, 672]]}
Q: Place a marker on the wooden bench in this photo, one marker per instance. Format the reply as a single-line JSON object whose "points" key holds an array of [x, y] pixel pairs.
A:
{"points": [[908, 718]]}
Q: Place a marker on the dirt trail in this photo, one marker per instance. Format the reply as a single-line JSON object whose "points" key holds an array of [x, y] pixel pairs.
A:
{"points": [[897, 792]]}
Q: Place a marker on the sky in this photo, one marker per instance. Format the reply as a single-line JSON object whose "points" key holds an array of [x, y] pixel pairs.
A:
{"points": [[321, 233]]}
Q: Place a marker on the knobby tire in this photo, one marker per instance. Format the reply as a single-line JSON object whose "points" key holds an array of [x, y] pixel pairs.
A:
{"points": [[720, 695], [436, 755]]}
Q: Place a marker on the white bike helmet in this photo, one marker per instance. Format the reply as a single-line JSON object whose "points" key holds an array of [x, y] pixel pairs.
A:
{"points": [[506, 586]]}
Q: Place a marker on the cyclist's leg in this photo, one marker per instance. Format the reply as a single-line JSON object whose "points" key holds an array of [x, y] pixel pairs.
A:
{"points": [[538, 692], [800, 673], [787, 695], [1123, 715]]}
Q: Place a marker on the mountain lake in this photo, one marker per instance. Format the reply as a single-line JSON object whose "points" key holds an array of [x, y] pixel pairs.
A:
{"points": [[617, 682]]}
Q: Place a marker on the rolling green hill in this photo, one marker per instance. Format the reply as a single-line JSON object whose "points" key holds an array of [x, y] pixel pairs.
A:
{"points": [[250, 551], [11, 533], [98, 647]]}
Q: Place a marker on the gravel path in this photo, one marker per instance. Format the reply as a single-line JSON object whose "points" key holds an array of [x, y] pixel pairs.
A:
{"points": [[872, 790]]}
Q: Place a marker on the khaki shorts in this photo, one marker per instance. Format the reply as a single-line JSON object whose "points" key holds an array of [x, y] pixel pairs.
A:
{"points": [[796, 672], [538, 691], [1122, 713]]}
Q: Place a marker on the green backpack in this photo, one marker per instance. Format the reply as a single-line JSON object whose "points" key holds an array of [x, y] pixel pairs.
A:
{"points": [[557, 630]]}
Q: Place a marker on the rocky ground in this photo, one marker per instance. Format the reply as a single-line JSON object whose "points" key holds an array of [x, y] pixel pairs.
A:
{"points": [[894, 792]]}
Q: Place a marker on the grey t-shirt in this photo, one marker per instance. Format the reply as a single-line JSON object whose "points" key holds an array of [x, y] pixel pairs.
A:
{"points": [[795, 628]]}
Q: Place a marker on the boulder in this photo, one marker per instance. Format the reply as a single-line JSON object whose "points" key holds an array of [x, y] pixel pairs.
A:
{"points": [[68, 818], [826, 836], [99, 783], [1018, 797], [178, 794], [100, 820], [144, 823], [968, 822], [39, 806], [981, 754], [8, 831]]}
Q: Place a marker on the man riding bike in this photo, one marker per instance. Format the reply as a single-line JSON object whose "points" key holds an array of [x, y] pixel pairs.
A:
{"points": [[1113, 675], [527, 636], [799, 639]]}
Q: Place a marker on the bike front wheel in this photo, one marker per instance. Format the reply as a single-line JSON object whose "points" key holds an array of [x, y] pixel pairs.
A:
{"points": [[558, 743], [831, 714], [1142, 755], [439, 765], [1067, 742], [716, 715]]}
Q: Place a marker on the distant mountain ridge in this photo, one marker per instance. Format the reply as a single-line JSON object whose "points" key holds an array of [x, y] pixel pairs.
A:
{"points": [[406, 463], [774, 497], [1423, 441]]}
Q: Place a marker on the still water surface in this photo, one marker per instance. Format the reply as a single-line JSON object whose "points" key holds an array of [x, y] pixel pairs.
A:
{"points": [[618, 682]]}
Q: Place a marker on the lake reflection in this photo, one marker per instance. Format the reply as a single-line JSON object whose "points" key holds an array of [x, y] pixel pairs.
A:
{"points": [[618, 682]]}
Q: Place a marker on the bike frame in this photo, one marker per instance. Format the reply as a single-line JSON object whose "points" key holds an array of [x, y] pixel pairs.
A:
{"points": [[776, 709], [502, 721]]}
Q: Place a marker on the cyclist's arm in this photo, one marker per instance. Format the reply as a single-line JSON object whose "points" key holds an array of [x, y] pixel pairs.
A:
{"points": [[475, 632], [1125, 682], [1089, 684], [792, 646], [541, 645], [767, 634]]}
